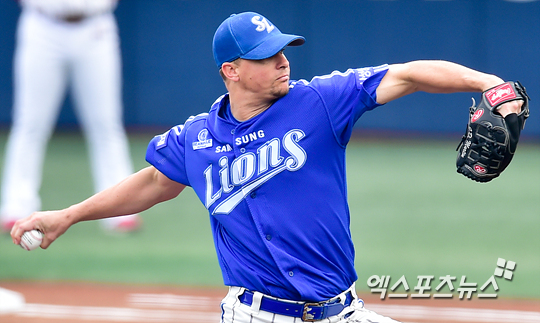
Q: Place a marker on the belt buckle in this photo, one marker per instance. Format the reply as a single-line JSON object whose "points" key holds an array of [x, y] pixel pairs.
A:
{"points": [[306, 316]]}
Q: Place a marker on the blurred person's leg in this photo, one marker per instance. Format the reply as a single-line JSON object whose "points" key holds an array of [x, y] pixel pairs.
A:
{"points": [[97, 89], [39, 87]]}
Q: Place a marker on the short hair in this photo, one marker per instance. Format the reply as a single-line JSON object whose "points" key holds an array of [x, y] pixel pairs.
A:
{"points": [[222, 75], [221, 71]]}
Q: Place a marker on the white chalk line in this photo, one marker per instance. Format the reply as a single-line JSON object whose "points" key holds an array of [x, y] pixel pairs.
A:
{"points": [[179, 308], [456, 314], [114, 314], [173, 301]]}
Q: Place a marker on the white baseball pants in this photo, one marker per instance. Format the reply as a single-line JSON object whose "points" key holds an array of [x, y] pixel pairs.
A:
{"points": [[233, 311], [50, 56]]}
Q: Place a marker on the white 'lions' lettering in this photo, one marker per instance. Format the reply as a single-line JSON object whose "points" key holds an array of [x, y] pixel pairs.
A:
{"points": [[267, 163], [269, 155], [243, 168]]}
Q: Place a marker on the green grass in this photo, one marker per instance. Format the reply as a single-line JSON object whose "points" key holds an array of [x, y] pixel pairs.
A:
{"points": [[411, 214]]}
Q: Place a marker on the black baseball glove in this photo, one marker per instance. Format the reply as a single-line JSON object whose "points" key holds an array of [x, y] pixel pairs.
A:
{"points": [[491, 140]]}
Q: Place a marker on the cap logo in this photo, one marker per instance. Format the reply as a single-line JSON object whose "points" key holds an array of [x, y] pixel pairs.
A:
{"points": [[262, 24]]}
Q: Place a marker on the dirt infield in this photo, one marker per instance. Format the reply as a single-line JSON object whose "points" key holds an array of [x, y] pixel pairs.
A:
{"points": [[92, 302]]}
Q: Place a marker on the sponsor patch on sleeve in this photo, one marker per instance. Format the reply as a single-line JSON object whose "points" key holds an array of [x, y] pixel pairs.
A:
{"points": [[202, 140], [162, 142], [364, 73]]}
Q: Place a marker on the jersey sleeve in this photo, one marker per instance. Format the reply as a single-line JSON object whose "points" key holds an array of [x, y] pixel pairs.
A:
{"points": [[348, 95], [166, 152]]}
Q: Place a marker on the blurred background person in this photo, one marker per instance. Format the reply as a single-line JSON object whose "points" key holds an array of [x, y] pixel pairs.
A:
{"points": [[63, 44]]}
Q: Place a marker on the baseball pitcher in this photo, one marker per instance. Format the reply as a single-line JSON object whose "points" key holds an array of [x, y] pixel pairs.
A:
{"points": [[268, 162]]}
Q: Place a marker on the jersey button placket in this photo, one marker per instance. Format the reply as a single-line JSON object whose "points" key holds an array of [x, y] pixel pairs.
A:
{"points": [[237, 151]]}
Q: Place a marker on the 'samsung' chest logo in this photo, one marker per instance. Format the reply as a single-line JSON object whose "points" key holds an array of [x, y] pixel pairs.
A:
{"points": [[252, 169], [162, 140], [202, 142]]}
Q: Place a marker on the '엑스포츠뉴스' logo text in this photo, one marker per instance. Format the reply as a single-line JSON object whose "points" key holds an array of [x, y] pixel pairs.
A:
{"points": [[250, 170]]}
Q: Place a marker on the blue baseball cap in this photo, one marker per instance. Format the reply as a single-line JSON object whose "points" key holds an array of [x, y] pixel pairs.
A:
{"points": [[249, 35]]}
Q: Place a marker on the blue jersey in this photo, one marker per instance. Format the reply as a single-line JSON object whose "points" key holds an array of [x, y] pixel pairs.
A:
{"points": [[275, 185]]}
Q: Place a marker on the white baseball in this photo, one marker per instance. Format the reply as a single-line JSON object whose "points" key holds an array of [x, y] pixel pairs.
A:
{"points": [[30, 240]]}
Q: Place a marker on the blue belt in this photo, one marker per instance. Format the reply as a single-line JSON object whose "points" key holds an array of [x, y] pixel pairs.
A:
{"points": [[309, 312]]}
